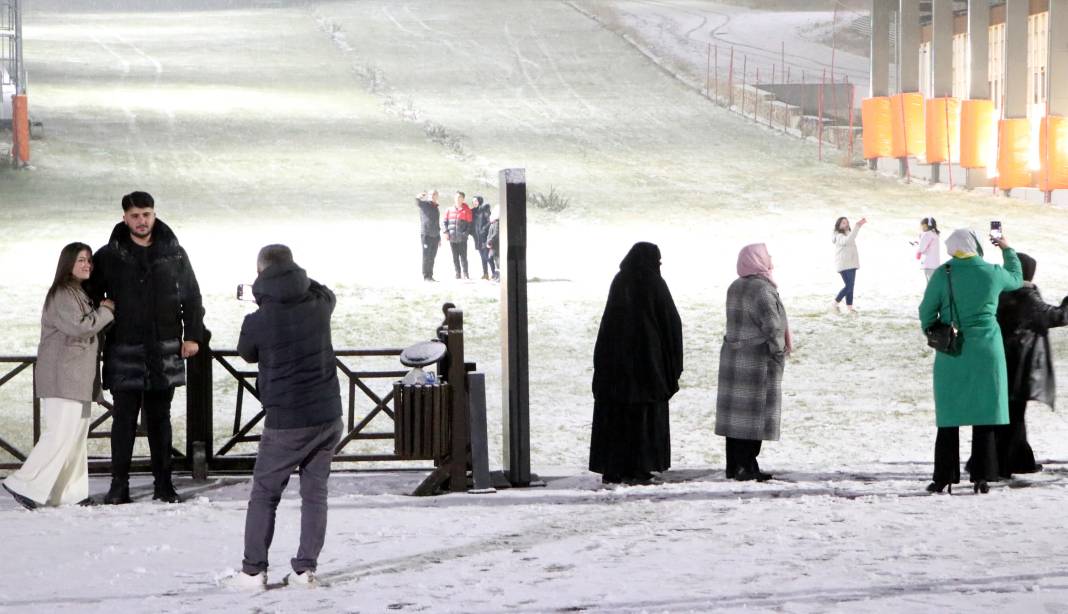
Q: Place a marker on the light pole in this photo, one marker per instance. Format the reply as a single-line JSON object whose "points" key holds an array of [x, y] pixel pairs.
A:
{"points": [[20, 70]]}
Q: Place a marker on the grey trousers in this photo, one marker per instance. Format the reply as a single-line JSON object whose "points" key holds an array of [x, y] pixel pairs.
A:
{"points": [[281, 452]]}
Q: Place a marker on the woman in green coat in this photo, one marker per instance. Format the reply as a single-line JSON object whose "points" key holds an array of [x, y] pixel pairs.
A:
{"points": [[970, 388]]}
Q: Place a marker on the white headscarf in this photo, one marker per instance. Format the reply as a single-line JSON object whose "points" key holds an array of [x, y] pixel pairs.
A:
{"points": [[962, 243]]}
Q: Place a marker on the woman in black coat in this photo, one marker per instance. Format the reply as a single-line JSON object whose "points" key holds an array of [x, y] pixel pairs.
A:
{"points": [[1025, 319], [637, 362]]}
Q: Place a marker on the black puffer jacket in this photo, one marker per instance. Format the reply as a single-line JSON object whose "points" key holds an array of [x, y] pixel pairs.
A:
{"points": [[289, 336], [157, 305], [1025, 320], [481, 216]]}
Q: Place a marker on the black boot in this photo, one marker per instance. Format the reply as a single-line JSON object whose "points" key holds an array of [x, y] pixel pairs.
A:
{"points": [[118, 494], [165, 492], [981, 487], [746, 474], [934, 487]]}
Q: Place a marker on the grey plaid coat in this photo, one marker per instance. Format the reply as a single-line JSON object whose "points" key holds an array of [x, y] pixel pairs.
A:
{"points": [[749, 401]]}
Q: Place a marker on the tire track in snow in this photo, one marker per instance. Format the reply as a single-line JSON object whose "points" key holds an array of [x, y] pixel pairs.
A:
{"points": [[400, 27], [523, 61], [134, 139]]}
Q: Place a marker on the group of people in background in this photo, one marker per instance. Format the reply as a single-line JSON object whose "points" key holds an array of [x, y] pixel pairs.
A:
{"points": [[1001, 359], [461, 222]]}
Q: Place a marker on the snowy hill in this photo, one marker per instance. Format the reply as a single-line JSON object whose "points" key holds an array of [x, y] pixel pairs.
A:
{"points": [[315, 124]]}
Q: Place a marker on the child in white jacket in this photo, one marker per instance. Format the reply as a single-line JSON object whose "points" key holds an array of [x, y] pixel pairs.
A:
{"points": [[929, 250]]}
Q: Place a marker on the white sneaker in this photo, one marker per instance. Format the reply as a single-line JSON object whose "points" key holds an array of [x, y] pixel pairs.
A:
{"points": [[851, 311], [308, 579], [242, 581], [834, 307]]}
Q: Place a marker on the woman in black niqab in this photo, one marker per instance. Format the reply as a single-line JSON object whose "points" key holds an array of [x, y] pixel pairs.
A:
{"points": [[636, 367]]}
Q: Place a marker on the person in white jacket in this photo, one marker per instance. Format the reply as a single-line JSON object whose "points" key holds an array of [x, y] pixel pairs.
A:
{"points": [[929, 250], [846, 259], [65, 379]]}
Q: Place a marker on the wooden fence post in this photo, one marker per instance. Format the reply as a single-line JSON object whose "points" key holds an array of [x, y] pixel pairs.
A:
{"points": [[199, 425]]}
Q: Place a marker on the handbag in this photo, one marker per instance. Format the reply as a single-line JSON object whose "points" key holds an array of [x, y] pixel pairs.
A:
{"points": [[946, 338]]}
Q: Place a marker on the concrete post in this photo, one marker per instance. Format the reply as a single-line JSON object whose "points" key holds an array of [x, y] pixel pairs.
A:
{"points": [[941, 58], [1057, 63], [1016, 13], [908, 46], [978, 49], [880, 48], [978, 68], [879, 71], [942, 48]]}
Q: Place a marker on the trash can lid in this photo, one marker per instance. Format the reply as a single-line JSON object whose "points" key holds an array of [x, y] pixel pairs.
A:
{"points": [[422, 354]]}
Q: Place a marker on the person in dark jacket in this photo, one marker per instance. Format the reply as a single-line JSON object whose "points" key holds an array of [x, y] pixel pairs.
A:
{"points": [[159, 322], [429, 217], [481, 215], [289, 336], [637, 362], [1025, 320], [493, 240], [457, 228]]}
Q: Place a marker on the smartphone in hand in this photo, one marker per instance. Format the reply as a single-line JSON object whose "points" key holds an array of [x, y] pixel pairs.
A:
{"points": [[995, 231], [244, 292]]}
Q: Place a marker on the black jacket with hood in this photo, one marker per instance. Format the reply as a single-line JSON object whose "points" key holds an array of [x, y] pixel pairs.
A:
{"points": [[1025, 319], [157, 306], [289, 336]]}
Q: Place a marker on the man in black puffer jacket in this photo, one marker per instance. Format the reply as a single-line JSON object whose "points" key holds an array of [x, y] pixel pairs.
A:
{"points": [[289, 336], [159, 322]]}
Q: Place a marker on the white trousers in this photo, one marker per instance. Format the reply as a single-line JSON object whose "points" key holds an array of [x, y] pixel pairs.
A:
{"points": [[57, 470], [928, 273]]}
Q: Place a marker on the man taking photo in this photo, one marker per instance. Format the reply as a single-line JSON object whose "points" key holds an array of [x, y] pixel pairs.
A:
{"points": [[289, 336]]}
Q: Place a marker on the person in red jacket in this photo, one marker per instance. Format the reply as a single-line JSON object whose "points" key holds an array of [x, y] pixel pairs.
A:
{"points": [[457, 228]]}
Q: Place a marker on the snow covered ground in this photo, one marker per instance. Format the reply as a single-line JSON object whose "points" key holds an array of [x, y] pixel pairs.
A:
{"points": [[315, 124]]}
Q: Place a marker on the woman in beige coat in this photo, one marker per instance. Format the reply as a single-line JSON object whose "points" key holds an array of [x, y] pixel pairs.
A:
{"points": [[57, 470]]}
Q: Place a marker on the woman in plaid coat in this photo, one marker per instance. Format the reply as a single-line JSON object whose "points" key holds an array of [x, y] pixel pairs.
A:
{"points": [[757, 341]]}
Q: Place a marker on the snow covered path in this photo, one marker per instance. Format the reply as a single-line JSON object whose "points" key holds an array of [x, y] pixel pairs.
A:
{"points": [[811, 542], [682, 30], [396, 97]]}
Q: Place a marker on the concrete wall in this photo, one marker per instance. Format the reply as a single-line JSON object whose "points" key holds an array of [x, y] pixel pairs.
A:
{"points": [[807, 97]]}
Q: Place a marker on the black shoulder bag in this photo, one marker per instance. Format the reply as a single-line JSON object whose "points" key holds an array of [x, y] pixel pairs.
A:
{"points": [[946, 337]]}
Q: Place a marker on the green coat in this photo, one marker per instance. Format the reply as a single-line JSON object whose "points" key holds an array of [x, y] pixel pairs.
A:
{"points": [[971, 388]]}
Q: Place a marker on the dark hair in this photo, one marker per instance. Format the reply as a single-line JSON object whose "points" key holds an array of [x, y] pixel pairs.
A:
{"points": [[1028, 265], [140, 200], [838, 223], [273, 254], [462, 195], [931, 224], [478, 200], [64, 269]]}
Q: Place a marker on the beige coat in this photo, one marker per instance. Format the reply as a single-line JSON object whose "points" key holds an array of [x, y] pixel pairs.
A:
{"points": [[67, 354]]}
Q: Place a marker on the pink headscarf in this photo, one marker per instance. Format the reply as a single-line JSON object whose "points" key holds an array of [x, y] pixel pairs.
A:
{"points": [[754, 259]]}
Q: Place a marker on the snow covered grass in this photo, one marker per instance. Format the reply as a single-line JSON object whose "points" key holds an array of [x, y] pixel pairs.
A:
{"points": [[257, 126]]}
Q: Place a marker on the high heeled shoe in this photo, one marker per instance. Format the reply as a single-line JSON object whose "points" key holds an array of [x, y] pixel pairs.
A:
{"points": [[981, 487], [936, 487]]}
